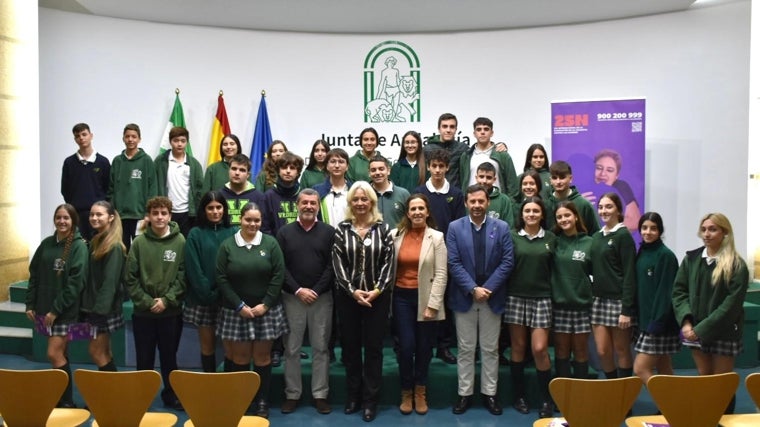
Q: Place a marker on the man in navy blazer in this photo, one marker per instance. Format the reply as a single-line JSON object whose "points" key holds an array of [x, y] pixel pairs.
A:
{"points": [[480, 258]]}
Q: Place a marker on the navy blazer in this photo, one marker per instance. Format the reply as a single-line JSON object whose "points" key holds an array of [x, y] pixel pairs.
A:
{"points": [[461, 257]]}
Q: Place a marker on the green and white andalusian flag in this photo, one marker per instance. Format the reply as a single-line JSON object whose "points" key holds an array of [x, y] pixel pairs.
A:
{"points": [[176, 119]]}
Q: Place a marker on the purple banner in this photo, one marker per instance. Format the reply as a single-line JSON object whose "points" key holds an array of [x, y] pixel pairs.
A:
{"points": [[603, 141]]}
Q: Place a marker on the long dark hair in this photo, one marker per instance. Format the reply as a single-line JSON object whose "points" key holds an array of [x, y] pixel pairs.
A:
{"points": [[529, 155], [212, 196], [313, 163]]}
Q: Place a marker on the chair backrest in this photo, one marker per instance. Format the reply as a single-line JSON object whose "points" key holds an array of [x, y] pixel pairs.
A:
{"points": [[118, 398], [595, 403], [693, 401], [215, 399], [28, 397], [753, 387]]}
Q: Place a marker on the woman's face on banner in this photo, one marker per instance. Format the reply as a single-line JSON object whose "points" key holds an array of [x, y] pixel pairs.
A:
{"points": [[605, 171]]}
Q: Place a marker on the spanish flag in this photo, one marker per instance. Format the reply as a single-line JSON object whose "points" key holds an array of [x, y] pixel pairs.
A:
{"points": [[221, 127]]}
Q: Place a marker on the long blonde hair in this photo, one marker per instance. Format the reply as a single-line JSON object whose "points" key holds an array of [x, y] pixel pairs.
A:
{"points": [[103, 242], [727, 258]]}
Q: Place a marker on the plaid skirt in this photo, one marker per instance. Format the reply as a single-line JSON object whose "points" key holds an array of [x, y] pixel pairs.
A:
{"points": [[104, 324], [534, 313], [657, 345], [270, 326], [723, 348], [201, 315], [60, 329], [606, 312], [572, 321]]}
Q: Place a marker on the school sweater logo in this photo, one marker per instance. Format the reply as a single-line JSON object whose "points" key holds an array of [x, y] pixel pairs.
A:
{"points": [[288, 211], [59, 264], [391, 83], [579, 256], [170, 255], [136, 174]]}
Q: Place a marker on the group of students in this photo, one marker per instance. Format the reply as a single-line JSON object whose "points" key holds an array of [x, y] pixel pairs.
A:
{"points": [[448, 237]]}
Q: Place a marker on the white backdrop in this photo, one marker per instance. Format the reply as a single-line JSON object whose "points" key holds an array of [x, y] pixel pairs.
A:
{"points": [[692, 67]]}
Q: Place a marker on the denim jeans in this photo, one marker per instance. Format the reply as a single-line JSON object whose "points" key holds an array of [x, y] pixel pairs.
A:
{"points": [[416, 339]]}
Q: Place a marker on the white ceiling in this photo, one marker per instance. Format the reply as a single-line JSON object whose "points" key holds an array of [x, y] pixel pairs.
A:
{"points": [[374, 16]]}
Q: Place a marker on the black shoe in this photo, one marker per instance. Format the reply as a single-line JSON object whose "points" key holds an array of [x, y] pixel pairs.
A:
{"points": [[276, 359], [545, 411], [173, 403], [288, 406], [462, 405], [304, 355], [369, 414], [352, 407], [521, 406], [445, 355], [492, 404], [261, 408]]}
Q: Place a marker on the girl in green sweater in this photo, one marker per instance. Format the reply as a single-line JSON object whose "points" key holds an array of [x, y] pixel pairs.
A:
{"points": [[57, 274], [268, 174], [218, 174], [202, 298], [410, 170], [529, 304], [250, 271], [102, 297], [316, 171], [571, 292], [708, 297], [656, 267], [612, 313]]}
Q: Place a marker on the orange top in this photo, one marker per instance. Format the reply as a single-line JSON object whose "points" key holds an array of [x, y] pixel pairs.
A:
{"points": [[409, 258]]}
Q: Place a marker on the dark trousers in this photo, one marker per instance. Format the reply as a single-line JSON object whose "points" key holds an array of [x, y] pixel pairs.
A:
{"points": [[185, 222], [128, 226], [85, 229], [363, 327], [416, 339], [162, 333]]}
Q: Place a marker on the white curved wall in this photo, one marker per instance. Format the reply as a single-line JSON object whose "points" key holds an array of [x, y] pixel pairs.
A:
{"points": [[693, 68]]}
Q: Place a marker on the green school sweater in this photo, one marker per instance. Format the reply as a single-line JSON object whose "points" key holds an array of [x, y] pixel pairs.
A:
{"points": [[571, 267], [614, 267], [716, 311], [133, 182], [156, 269], [103, 293], [312, 177], [201, 248], [252, 275], [531, 275], [656, 268], [51, 292], [358, 167], [216, 176]]}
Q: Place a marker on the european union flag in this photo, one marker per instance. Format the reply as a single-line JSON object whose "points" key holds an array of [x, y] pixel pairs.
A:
{"points": [[262, 138]]}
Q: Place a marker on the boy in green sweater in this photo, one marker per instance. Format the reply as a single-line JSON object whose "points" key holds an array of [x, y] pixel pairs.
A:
{"points": [[133, 182], [562, 179], [500, 206], [156, 284]]}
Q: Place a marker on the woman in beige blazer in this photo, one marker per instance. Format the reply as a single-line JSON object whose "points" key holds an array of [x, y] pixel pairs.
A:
{"points": [[420, 256]]}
